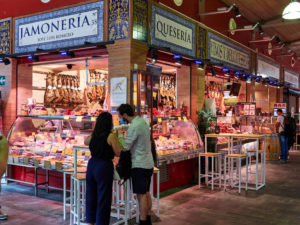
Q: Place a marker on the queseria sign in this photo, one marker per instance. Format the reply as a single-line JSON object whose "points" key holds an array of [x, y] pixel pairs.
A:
{"points": [[61, 28], [171, 31]]}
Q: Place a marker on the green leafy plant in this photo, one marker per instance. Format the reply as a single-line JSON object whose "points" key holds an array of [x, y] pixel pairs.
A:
{"points": [[206, 123]]}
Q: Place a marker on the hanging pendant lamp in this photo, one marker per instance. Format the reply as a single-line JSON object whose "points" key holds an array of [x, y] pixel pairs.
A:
{"points": [[291, 11]]}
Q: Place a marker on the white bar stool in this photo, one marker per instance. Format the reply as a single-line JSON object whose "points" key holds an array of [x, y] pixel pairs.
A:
{"points": [[232, 159], [77, 198], [215, 169], [251, 153]]}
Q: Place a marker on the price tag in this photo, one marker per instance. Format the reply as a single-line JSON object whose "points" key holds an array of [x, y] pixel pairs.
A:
{"points": [[79, 118], [79, 153], [181, 150], [185, 119], [93, 118], [66, 117], [159, 120], [154, 94], [179, 118]]}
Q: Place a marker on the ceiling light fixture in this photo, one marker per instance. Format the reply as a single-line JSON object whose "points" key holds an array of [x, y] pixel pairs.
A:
{"points": [[237, 11], [291, 11], [260, 30]]}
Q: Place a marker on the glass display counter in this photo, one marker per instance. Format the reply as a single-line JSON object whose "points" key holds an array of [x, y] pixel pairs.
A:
{"points": [[176, 139], [47, 141]]}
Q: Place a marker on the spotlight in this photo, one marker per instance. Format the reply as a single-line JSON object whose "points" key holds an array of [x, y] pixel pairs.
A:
{"points": [[153, 55], [278, 40], [237, 11], [33, 57], [178, 60], [68, 53], [266, 82], [237, 75], [69, 66], [244, 76], [261, 32], [213, 71], [200, 64], [5, 60]]}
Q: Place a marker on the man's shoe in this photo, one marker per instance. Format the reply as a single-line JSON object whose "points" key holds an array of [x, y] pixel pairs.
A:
{"points": [[149, 220], [143, 222]]}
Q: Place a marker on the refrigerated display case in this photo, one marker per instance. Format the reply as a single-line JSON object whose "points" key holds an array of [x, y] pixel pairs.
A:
{"points": [[47, 141], [176, 139]]}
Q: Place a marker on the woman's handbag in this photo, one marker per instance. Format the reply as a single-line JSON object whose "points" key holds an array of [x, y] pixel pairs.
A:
{"points": [[124, 165]]}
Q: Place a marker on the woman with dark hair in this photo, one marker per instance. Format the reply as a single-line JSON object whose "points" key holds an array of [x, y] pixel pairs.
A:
{"points": [[104, 145]]}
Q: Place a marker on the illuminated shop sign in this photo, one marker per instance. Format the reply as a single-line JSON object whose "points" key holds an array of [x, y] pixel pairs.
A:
{"points": [[292, 78], [266, 68], [225, 52], [62, 28], [171, 31]]}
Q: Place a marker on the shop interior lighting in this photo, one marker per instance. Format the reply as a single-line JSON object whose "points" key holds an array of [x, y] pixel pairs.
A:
{"points": [[33, 57], [5, 60], [213, 71], [153, 55], [291, 11], [68, 53], [224, 10]]}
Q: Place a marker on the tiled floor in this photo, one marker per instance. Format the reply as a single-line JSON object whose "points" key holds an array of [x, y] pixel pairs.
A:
{"points": [[277, 204]]}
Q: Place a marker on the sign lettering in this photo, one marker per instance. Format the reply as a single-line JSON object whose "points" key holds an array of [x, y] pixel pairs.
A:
{"points": [[228, 54], [62, 28], [291, 78], [171, 31], [267, 69]]}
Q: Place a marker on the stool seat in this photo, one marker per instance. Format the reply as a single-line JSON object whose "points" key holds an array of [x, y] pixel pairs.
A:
{"points": [[227, 150], [80, 176], [155, 169], [236, 155], [209, 154], [254, 150]]}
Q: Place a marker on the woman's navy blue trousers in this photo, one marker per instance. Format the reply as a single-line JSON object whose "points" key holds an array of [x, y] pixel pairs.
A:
{"points": [[99, 180]]}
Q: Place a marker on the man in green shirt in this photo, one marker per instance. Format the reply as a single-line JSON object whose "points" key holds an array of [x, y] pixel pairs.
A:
{"points": [[138, 142], [3, 163]]}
